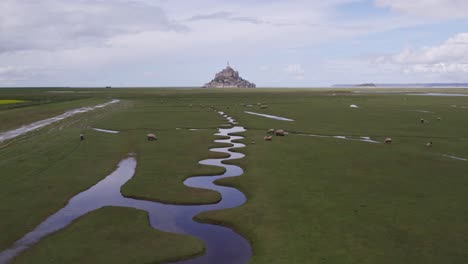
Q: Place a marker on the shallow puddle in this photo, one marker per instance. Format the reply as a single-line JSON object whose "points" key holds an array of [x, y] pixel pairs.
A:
{"points": [[455, 158], [361, 139], [270, 116], [106, 131], [42, 123], [422, 111]]}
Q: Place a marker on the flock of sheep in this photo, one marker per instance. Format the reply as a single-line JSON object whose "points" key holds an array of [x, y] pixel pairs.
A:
{"points": [[276, 132], [422, 121]]}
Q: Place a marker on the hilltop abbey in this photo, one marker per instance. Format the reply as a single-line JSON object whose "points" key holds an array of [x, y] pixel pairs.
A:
{"points": [[229, 78]]}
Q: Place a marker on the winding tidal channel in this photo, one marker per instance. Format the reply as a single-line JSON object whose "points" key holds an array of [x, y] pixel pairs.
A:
{"points": [[42, 123], [222, 244]]}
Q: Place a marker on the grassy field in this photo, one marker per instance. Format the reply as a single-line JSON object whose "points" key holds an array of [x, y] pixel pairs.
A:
{"points": [[45, 168], [14, 117], [94, 229], [310, 200], [5, 102]]}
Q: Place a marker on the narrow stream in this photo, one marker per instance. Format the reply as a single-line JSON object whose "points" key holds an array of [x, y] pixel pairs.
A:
{"points": [[42, 123], [455, 158], [270, 116], [223, 245], [105, 130], [361, 139]]}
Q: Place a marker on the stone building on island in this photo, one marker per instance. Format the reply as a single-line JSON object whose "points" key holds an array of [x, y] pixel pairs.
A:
{"points": [[229, 78]]}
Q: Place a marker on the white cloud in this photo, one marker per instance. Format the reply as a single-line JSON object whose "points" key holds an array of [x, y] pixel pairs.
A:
{"points": [[448, 59], [442, 68], [80, 38], [439, 9], [13, 74], [56, 24], [295, 70], [94, 42]]}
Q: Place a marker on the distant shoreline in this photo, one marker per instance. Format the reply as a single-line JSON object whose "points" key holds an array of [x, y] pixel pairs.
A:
{"points": [[337, 86]]}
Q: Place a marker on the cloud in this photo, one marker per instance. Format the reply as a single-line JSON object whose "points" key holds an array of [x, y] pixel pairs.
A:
{"points": [[13, 74], [295, 70], [53, 24], [227, 16], [121, 42], [439, 9], [449, 58], [216, 15]]}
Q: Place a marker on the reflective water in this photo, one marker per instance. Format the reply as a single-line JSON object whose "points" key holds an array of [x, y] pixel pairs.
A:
{"points": [[437, 94], [422, 111], [410, 93], [270, 116], [223, 245], [42, 123], [361, 139], [230, 119], [106, 131], [456, 158]]}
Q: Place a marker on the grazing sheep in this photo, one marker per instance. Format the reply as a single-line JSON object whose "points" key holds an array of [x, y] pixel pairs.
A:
{"points": [[151, 137], [439, 118], [388, 141], [81, 137], [280, 133], [423, 121], [253, 142], [268, 138], [271, 131], [429, 144], [264, 106]]}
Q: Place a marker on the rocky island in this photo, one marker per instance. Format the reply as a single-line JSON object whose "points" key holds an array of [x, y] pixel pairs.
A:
{"points": [[229, 78]]}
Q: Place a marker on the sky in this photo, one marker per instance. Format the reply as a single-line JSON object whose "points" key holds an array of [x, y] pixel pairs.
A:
{"points": [[273, 43]]}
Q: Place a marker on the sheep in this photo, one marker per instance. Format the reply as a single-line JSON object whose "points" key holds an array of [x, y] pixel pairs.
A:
{"points": [[271, 131], [429, 144], [280, 133], [151, 137], [268, 138], [388, 141], [423, 121]]}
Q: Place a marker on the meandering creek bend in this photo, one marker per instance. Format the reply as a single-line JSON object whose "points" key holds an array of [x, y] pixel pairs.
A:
{"points": [[223, 245]]}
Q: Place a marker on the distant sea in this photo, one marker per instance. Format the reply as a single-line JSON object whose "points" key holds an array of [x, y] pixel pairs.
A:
{"points": [[404, 85]]}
